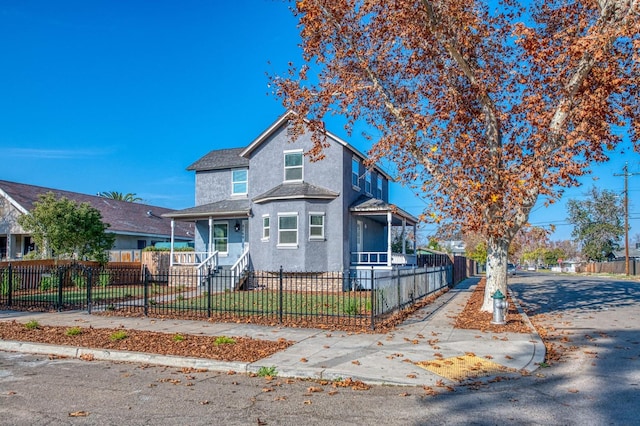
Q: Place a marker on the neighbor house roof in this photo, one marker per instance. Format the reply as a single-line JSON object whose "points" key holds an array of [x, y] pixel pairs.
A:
{"points": [[220, 159], [124, 217], [291, 191]]}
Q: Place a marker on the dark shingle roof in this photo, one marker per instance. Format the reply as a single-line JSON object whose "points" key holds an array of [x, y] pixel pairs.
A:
{"points": [[368, 205], [123, 216], [295, 191], [224, 208], [220, 159]]}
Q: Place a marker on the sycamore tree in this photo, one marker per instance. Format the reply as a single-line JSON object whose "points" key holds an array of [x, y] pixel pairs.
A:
{"points": [[62, 228], [483, 107]]}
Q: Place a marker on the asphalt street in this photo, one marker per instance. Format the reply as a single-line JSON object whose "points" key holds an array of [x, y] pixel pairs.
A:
{"points": [[597, 383]]}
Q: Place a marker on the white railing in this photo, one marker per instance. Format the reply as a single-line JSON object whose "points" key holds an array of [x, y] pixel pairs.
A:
{"points": [[378, 258], [188, 257], [211, 262], [241, 264]]}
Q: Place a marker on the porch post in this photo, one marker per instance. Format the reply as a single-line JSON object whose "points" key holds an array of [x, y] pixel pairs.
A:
{"points": [[210, 245], [388, 238], [404, 236], [415, 240], [9, 246], [173, 226]]}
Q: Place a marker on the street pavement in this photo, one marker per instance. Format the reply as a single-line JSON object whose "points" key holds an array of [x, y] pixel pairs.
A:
{"points": [[427, 337]]}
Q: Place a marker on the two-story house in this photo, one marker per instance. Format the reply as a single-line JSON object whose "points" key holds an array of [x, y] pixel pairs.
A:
{"points": [[267, 205]]}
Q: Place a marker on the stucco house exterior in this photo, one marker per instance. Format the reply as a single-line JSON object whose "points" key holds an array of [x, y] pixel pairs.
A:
{"points": [[135, 225], [266, 205]]}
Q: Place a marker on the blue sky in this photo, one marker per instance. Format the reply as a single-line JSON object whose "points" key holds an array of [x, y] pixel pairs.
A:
{"points": [[124, 95]]}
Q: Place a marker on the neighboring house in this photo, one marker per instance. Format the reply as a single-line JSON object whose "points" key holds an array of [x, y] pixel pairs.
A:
{"points": [[455, 247], [135, 225], [266, 206]]}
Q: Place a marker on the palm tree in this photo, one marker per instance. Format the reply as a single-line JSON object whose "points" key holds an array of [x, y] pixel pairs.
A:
{"points": [[114, 195]]}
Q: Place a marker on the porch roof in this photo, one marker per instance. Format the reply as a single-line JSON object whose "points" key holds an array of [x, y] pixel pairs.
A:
{"points": [[366, 206], [289, 191], [225, 208]]}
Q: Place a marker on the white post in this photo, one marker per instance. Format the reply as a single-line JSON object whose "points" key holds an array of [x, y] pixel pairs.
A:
{"points": [[210, 245], [404, 236], [9, 246], [389, 239], [173, 225]]}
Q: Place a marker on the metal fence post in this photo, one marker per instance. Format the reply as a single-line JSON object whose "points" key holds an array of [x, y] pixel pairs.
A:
{"points": [[280, 296], [399, 303], [10, 284], [145, 287], [209, 277], [89, 285], [61, 273], [374, 295]]}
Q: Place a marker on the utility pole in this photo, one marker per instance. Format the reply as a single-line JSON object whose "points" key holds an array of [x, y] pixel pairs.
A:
{"points": [[626, 175]]}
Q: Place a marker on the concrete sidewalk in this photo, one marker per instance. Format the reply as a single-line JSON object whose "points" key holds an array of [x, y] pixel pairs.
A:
{"points": [[427, 337]]}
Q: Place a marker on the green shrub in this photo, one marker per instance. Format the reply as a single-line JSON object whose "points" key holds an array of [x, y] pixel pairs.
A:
{"points": [[178, 337], [32, 325], [4, 282], [48, 282], [80, 281], [267, 372], [104, 279], [118, 335], [223, 340], [73, 331]]}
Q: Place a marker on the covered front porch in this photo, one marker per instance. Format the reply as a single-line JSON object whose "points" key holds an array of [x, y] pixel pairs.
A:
{"points": [[220, 239], [384, 236]]}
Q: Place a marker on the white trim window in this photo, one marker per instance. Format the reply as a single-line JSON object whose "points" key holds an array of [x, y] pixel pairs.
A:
{"points": [[355, 173], [379, 188], [293, 166], [266, 228], [239, 182], [367, 182], [287, 229], [221, 237], [316, 226]]}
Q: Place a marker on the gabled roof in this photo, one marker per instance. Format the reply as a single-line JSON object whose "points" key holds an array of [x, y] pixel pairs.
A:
{"points": [[373, 206], [220, 159], [291, 191], [225, 208], [283, 120], [123, 217]]}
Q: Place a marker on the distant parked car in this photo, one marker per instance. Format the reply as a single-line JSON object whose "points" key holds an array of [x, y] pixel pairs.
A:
{"points": [[531, 268], [511, 269]]}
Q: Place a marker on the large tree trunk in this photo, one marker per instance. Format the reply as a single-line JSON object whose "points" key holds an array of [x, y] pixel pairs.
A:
{"points": [[497, 250]]}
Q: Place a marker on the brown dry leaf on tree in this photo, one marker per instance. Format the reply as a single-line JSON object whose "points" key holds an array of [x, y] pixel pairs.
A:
{"points": [[508, 120]]}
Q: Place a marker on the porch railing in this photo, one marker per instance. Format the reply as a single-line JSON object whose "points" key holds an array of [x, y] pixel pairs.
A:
{"points": [[241, 265], [188, 257], [380, 258], [210, 263]]}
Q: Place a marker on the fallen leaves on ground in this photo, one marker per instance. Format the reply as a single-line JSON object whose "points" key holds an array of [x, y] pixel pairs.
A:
{"points": [[244, 349]]}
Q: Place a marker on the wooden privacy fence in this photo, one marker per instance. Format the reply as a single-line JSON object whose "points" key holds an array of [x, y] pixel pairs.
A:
{"points": [[613, 267]]}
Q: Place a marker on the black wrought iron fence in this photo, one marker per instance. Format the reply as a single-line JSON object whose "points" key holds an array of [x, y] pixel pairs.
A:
{"points": [[359, 298]]}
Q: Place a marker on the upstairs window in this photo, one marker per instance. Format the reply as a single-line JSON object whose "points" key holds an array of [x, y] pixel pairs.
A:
{"points": [[379, 188], [316, 226], [239, 181], [355, 173], [293, 165], [367, 182]]}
